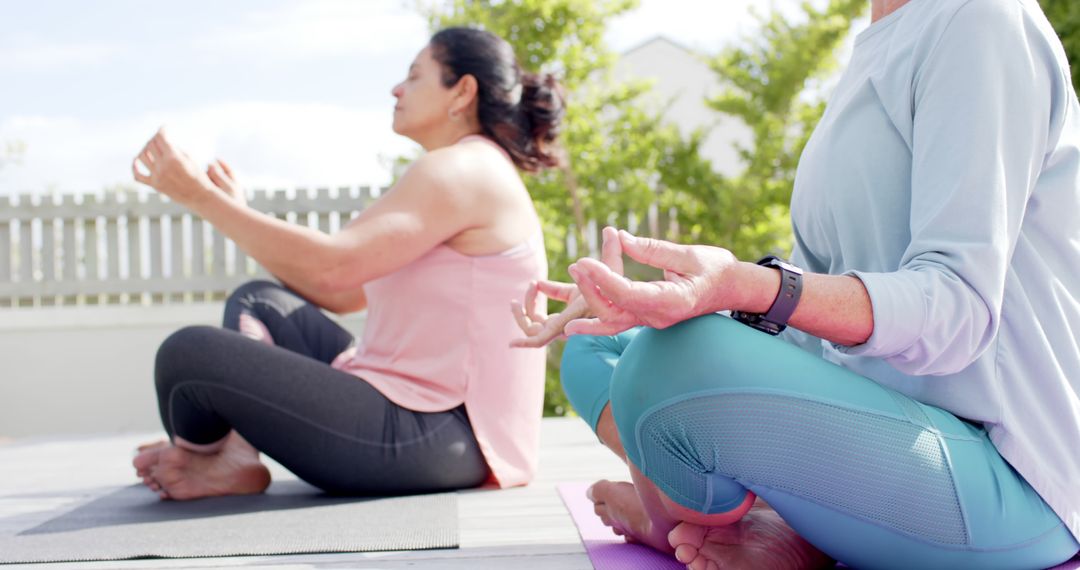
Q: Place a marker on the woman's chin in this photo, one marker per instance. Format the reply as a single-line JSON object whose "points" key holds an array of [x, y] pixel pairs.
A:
{"points": [[399, 128]]}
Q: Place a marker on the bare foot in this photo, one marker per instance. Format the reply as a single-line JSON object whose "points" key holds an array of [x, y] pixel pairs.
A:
{"points": [[234, 470], [147, 457], [619, 507], [761, 539], [161, 443]]}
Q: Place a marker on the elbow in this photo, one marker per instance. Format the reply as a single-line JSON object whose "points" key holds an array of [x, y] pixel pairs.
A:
{"points": [[339, 294], [334, 276], [345, 305], [943, 354], [941, 366]]}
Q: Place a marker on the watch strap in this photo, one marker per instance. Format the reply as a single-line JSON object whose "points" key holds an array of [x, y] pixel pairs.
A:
{"points": [[775, 319]]}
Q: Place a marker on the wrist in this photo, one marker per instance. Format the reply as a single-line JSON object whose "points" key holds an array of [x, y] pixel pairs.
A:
{"points": [[756, 288], [775, 319]]}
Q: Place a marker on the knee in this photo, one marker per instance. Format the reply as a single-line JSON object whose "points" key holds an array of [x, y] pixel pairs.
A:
{"points": [[578, 354], [703, 353], [251, 290], [585, 373], [180, 352]]}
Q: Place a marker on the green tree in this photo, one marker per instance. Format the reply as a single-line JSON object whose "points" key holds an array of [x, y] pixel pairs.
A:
{"points": [[620, 156], [1065, 17], [623, 157], [773, 83]]}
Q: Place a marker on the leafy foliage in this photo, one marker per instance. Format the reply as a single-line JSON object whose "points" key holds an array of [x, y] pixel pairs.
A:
{"points": [[773, 83], [623, 157], [1064, 15], [618, 153]]}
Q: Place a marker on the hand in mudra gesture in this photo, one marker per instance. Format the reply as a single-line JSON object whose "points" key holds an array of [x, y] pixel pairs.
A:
{"points": [[541, 330], [173, 173], [698, 279]]}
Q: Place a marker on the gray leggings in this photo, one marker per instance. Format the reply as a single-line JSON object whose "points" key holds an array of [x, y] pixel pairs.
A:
{"points": [[330, 428]]}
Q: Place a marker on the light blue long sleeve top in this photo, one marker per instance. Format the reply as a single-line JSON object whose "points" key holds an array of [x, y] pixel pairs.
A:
{"points": [[945, 174]]}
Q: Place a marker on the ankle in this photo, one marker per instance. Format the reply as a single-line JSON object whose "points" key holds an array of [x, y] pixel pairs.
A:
{"points": [[200, 448]]}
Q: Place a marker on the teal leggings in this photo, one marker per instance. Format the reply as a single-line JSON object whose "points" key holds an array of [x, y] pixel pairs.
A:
{"points": [[709, 409]]}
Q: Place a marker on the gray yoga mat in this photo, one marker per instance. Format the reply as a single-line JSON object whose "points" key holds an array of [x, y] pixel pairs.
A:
{"points": [[290, 518]]}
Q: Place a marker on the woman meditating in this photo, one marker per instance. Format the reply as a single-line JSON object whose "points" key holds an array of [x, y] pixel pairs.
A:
{"points": [[432, 397], [922, 407]]}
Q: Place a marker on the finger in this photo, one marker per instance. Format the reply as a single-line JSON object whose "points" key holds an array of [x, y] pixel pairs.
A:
{"points": [[558, 291], [161, 141], [577, 309], [527, 342], [622, 294], [226, 168], [531, 310], [158, 147], [221, 177], [139, 176], [611, 253], [597, 327], [603, 281], [537, 341], [147, 157], [657, 252], [214, 173], [598, 305], [523, 322]]}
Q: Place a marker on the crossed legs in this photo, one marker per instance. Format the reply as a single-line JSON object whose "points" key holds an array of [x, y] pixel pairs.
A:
{"points": [[709, 412], [224, 397]]}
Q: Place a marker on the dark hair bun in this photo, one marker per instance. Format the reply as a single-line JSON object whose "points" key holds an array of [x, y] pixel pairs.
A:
{"points": [[543, 105], [520, 111]]}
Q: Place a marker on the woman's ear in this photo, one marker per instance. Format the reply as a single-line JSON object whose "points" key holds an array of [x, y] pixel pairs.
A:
{"points": [[466, 91]]}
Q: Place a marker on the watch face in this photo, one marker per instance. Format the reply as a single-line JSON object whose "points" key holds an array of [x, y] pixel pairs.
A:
{"points": [[787, 266]]}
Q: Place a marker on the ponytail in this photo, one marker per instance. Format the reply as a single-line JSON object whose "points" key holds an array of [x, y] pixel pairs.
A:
{"points": [[519, 111]]}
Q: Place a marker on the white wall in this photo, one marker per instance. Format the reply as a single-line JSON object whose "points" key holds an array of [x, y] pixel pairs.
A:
{"points": [[682, 78], [78, 370]]}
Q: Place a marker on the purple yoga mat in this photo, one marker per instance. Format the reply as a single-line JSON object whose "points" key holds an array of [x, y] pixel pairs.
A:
{"points": [[608, 551], [1073, 564]]}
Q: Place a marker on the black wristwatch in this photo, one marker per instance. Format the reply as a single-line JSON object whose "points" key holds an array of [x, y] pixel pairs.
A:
{"points": [[775, 319]]}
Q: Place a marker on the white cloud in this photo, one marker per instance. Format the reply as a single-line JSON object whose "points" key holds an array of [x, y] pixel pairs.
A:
{"points": [[320, 28], [25, 52], [271, 145]]}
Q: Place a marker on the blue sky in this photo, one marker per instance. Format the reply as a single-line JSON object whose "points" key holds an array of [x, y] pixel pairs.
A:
{"points": [[290, 92]]}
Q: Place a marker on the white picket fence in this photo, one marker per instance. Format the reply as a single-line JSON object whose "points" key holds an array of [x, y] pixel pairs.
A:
{"points": [[121, 249], [142, 249], [90, 286]]}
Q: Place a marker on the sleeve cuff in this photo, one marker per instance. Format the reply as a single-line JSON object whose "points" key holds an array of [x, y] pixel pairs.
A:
{"points": [[899, 315]]}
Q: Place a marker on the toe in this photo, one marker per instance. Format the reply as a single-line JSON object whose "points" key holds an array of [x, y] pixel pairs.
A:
{"points": [[687, 534], [596, 490], [685, 553]]}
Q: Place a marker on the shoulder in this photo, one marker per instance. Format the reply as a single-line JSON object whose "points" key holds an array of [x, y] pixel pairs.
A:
{"points": [[469, 168], [462, 161], [989, 19], [992, 37]]}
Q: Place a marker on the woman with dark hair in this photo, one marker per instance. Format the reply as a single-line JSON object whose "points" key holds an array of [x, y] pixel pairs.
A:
{"points": [[432, 397]]}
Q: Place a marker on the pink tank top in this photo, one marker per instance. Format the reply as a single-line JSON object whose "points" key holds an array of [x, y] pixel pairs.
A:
{"points": [[437, 335]]}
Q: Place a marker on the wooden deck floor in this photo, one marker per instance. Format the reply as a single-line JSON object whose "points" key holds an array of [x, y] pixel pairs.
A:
{"points": [[526, 528]]}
